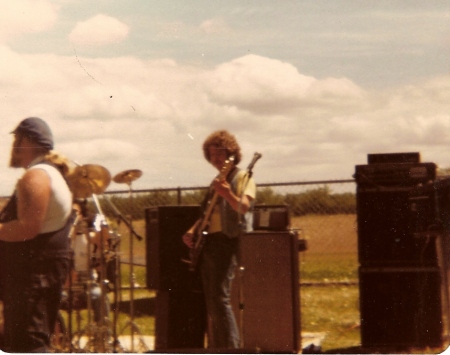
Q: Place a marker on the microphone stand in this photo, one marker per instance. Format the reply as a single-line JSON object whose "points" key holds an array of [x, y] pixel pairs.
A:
{"points": [[241, 267], [121, 217]]}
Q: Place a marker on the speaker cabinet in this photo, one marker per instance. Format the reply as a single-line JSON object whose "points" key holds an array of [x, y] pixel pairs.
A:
{"points": [[180, 314], [165, 226], [390, 226], [180, 320], [265, 292], [400, 307]]}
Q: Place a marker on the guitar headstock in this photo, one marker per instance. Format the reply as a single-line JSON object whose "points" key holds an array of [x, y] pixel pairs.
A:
{"points": [[226, 168]]}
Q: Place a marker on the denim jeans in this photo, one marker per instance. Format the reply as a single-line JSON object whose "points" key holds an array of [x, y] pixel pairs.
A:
{"points": [[31, 302], [219, 259]]}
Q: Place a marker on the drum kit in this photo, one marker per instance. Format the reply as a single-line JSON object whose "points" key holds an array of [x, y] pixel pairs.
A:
{"points": [[88, 287]]}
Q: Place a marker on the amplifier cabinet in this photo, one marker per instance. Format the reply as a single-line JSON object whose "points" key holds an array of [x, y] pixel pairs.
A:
{"points": [[400, 307], [394, 174], [393, 225], [271, 217], [265, 292], [165, 226]]}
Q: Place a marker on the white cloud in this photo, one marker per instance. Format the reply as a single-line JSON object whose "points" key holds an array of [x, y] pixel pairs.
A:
{"points": [[25, 16], [129, 113], [266, 85], [99, 30]]}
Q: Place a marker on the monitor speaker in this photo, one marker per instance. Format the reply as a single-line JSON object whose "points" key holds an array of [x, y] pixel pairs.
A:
{"points": [[265, 293]]}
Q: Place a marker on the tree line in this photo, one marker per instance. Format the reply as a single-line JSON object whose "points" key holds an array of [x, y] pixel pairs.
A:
{"points": [[314, 201]]}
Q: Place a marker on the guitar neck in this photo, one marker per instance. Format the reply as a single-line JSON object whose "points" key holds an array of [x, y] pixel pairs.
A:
{"points": [[209, 211], [227, 168]]}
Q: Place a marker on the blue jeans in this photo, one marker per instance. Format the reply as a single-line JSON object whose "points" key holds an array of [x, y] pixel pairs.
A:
{"points": [[219, 259], [31, 302]]}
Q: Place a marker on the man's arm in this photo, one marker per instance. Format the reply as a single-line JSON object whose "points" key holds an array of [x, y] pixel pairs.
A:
{"points": [[33, 195], [239, 204]]}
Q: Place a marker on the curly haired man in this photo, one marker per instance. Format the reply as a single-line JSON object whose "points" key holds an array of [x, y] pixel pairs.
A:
{"points": [[231, 216]]}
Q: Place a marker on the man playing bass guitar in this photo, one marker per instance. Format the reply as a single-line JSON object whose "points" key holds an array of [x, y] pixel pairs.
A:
{"points": [[230, 200]]}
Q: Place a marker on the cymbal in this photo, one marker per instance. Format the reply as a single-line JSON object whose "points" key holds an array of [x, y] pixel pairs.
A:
{"points": [[127, 176], [88, 179]]}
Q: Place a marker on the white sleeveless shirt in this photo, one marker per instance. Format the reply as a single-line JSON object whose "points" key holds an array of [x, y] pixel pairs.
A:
{"points": [[60, 203]]}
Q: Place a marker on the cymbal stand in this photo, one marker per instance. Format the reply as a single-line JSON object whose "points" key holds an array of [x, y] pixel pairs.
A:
{"points": [[80, 225], [117, 287], [134, 329], [103, 331]]}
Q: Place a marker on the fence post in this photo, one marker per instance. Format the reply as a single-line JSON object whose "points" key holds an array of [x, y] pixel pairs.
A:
{"points": [[179, 195]]}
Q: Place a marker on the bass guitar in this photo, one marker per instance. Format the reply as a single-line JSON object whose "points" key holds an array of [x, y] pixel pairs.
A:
{"points": [[201, 228]]}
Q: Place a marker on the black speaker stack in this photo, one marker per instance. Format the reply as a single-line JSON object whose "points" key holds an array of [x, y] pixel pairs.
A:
{"points": [[401, 206], [180, 313]]}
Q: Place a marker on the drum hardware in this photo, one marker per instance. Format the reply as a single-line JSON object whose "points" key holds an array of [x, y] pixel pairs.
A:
{"points": [[81, 282], [120, 217], [87, 180], [102, 333], [127, 177], [88, 288]]}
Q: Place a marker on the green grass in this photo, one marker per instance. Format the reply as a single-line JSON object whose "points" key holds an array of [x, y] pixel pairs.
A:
{"points": [[328, 267], [330, 310], [333, 311]]}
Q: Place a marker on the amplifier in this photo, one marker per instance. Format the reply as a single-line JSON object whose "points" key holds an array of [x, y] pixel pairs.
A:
{"points": [[394, 173], [271, 217], [393, 158]]}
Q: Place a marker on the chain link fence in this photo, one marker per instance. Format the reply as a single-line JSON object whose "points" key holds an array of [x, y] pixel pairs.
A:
{"points": [[322, 212]]}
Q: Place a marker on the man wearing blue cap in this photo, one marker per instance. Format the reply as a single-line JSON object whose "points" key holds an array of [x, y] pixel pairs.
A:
{"points": [[34, 229]]}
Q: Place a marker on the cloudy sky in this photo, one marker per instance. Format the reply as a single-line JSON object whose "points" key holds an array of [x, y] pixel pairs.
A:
{"points": [[312, 85]]}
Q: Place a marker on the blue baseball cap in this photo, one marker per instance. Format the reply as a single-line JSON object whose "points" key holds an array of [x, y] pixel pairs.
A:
{"points": [[37, 130]]}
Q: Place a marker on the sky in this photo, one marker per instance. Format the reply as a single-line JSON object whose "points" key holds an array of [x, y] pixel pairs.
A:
{"points": [[314, 86]]}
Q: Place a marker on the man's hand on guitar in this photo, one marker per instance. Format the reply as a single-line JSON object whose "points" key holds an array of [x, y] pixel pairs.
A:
{"points": [[188, 239], [222, 187]]}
